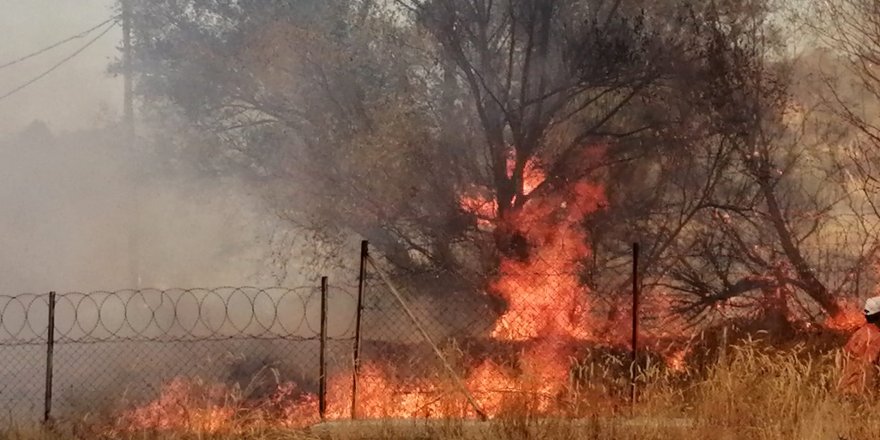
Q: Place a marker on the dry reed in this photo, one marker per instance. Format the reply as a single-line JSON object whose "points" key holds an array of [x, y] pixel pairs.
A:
{"points": [[756, 392]]}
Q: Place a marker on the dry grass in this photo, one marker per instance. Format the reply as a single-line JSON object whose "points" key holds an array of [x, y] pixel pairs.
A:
{"points": [[757, 392]]}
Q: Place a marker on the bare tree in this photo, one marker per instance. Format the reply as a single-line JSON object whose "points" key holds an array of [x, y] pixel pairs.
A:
{"points": [[757, 191], [374, 120], [389, 124]]}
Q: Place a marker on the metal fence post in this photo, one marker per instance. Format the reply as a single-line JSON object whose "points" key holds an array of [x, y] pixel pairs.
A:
{"points": [[50, 348], [365, 252], [322, 384], [635, 319], [723, 355]]}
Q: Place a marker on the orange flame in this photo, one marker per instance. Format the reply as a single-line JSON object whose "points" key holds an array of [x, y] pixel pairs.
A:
{"points": [[547, 303], [481, 203], [849, 318], [544, 294], [194, 406], [548, 308], [676, 360]]}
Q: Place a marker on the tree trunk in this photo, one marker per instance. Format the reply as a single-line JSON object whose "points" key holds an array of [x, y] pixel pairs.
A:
{"points": [[811, 285]]}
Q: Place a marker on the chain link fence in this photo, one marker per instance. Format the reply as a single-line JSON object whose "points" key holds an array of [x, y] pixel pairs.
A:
{"points": [[415, 327], [116, 350], [537, 335], [432, 350], [425, 344]]}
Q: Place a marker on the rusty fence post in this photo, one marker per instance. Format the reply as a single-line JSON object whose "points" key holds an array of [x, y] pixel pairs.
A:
{"points": [[50, 349], [365, 252], [723, 355], [322, 369], [635, 321]]}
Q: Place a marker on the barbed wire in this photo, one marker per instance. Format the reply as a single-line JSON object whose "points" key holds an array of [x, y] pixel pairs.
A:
{"points": [[193, 314], [175, 315], [139, 339]]}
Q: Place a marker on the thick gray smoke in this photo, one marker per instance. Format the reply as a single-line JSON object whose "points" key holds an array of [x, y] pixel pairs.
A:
{"points": [[78, 216], [83, 212], [78, 94], [83, 208]]}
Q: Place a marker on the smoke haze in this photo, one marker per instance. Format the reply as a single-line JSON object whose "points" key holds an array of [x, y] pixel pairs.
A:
{"points": [[75, 215], [74, 97]]}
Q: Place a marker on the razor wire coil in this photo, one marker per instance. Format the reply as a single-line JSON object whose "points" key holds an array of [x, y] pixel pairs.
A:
{"points": [[174, 315]]}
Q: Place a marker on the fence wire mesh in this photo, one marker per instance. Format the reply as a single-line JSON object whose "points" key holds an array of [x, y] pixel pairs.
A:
{"points": [[530, 332], [536, 333], [517, 341], [117, 351], [401, 374]]}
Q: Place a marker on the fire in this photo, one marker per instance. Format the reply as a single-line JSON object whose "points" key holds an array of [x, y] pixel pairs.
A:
{"points": [[676, 360], [182, 405], [547, 303], [481, 203], [380, 395], [196, 406], [546, 369], [544, 294], [548, 313], [491, 385], [533, 175], [849, 318]]}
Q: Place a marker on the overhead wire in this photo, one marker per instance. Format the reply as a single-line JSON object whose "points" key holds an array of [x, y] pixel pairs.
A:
{"points": [[56, 44], [60, 63]]}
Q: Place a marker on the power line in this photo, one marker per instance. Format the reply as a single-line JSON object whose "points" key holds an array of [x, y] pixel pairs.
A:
{"points": [[58, 64], [54, 45]]}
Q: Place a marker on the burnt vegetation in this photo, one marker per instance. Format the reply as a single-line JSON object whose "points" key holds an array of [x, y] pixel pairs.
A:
{"points": [[747, 174]]}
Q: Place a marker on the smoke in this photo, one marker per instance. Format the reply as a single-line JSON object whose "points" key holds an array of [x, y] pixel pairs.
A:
{"points": [[83, 213], [73, 97], [79, 211], [82, 209], [77, 218]]}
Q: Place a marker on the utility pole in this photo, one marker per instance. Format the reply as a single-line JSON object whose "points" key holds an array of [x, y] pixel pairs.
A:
{"points": [[130, 142], [128, 102]]}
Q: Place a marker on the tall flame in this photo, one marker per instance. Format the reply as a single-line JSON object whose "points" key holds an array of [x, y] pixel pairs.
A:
{"points": [[547, 302], [543, 290], [547, 311]]}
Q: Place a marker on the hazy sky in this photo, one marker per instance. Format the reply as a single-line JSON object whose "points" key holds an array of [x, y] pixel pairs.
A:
{"points": [[67, 211], [76, 95]]}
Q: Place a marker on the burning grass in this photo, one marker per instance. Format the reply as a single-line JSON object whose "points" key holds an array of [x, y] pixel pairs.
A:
{"points": [[754, 391], [546, 370]]}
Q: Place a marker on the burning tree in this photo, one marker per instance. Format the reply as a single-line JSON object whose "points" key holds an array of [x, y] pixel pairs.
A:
{"points": [[742, 215], [750, 225], [376, 119], [519, 147], [393, 113]]}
